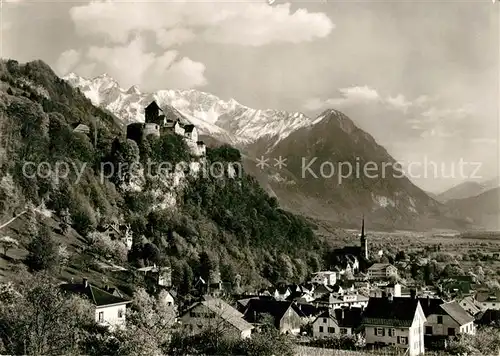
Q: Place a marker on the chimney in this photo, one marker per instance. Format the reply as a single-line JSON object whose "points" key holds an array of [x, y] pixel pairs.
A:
{"points": [[85, 282], [413, 293], [428, 301], [389, 297], [342, 314]]}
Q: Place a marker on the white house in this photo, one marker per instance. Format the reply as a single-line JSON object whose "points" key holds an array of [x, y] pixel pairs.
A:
{"points": [[396, 321], [335, 301], [382, 271], [446, 319], [214, 313], [487, 300], [327, 278], [109, 309], [343, 321]]}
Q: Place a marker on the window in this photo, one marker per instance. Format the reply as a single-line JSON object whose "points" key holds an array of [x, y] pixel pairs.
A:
{"points": [[440, 319], [402, 340], [120, 313], [343, 331], [169, 304], [331, 330], [428, 330], [320, 329], [451, 332], [392, 332], [324, 320], [101, 317], [379, 332]]}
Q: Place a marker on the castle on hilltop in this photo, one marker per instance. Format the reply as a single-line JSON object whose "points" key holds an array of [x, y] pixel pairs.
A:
{"points": [[157, 123]]}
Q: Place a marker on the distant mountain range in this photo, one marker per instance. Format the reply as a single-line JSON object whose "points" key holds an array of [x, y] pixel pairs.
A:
{"points": [[308, 147], [468, 189], [482, 210]]}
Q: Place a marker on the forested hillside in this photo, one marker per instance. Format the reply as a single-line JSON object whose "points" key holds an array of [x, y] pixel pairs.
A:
{"points": [[197, 224]]}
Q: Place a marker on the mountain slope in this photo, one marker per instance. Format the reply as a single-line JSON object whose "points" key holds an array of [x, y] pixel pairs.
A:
{"points": [[468, 189], [482, 210], [358, 177]]}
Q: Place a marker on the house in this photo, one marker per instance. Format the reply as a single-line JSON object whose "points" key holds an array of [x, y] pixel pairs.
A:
{"points": [[489, 317], [284, 314], [327, 278], [382, 271], [320, 291], [81, 128], [281, 292], [469, 304], [445, 318], [308, 312], [335, 301], [488, 300], [397, 321], [342, 321], [160, 276], [393, 289], [215, 314], [191, 133], [110, 310]]}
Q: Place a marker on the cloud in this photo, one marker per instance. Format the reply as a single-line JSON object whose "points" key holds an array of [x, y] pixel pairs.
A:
{"points": [[242, 23], [175, 36], [67, 61], [131, 64], [348, 97]]}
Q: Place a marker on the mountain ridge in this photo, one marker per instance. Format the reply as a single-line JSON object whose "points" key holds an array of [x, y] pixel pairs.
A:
{"points": [[274, 134]]}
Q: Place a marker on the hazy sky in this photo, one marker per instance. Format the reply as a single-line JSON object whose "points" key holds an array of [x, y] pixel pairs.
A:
{"points": [[422, 78]]}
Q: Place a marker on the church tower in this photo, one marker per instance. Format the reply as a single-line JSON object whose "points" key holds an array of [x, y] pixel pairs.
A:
{"points": [[364, 243]]}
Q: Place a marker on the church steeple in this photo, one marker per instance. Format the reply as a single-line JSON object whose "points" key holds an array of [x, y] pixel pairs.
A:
{"points": [[364, 243]]}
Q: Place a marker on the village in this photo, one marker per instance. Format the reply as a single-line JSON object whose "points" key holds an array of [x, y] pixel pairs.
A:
{"points": [[356, 299]]}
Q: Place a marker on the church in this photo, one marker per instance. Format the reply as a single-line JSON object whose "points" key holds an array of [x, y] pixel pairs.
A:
{"points": [[351, 258]]}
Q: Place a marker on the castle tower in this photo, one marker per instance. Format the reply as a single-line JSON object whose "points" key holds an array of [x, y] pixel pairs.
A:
{"points": [[364, 242]]}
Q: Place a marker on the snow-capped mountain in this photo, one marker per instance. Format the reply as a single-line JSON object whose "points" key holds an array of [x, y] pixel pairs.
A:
{"points": [[331, 137], [228, 121]]}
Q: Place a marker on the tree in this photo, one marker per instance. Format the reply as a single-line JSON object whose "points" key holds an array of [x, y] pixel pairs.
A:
{"points": [[41, 320], [7, 243], [42, 251], [149, 325], [63, 256]]}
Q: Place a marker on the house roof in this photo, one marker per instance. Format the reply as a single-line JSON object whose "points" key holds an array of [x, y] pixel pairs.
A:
{"points": [[96, 295], [382, 311], [431, 305], [379, 266], [153, 105], [200, 143], [307, 310], [189, 128], [457, 313], [488, 317], [344, 317], [275, 308], [486, 296], [224, 311]]}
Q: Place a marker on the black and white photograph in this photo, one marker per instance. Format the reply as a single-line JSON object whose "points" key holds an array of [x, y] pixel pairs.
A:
{"points": [[250, 177]]}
